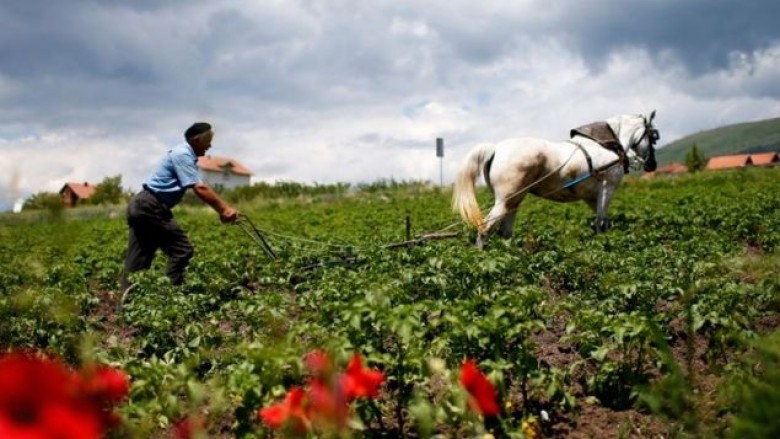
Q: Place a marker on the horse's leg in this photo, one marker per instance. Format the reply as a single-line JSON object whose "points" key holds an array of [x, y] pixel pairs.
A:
{"points": [[508, 224], [601, 204], [508, 221], [495, 215]]}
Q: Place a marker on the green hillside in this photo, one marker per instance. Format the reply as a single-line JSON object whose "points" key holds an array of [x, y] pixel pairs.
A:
{"points": [[749, 137]]}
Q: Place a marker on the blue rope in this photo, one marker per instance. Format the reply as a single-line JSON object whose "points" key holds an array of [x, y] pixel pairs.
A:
{"points": [[579, 179]]}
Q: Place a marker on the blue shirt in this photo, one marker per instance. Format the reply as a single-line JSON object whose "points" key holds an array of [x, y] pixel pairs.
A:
{"points": [[177, 172]]}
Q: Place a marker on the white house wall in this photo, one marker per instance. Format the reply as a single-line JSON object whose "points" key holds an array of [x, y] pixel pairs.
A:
{"points": [[223, 180]]}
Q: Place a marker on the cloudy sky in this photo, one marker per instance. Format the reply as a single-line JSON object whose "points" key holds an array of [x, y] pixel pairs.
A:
{"points": [[355, 91]]}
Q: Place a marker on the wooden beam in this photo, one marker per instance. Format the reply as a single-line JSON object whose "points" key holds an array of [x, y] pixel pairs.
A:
{"points": [[421, 239]]}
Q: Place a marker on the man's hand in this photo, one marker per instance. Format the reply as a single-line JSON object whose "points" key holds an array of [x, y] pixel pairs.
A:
{"points": [[228, 215]]}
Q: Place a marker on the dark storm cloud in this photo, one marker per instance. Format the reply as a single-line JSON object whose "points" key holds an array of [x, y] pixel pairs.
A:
{"points": [[147, 54], [122, 51], [326, 80], [38, 39], [701, 34], [74, 61]]}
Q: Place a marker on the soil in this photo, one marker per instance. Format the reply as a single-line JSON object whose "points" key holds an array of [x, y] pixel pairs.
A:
{"points": [[589, 420], [106, 318]]}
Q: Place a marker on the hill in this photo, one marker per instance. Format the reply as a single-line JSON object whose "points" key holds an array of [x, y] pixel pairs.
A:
{"points": [[749, 137]]}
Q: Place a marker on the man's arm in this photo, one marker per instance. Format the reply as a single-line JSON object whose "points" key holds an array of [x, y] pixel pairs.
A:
{"points": [[226, 213]]}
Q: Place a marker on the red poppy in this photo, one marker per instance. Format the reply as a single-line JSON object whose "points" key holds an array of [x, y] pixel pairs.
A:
{"points": [[188, 428], [359, 382], [319, 363], [39, 399], [101, 388], [290, 411], [482, 395], [61, 421], [107, 385], [327, 406]]}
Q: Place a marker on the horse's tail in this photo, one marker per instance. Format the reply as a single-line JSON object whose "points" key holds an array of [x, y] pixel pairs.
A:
{"points": [[464, 195]]}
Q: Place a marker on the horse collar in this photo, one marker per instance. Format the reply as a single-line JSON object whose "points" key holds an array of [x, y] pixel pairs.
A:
{"points": [[601, 133]]}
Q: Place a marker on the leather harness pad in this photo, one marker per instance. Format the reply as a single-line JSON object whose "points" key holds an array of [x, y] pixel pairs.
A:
{"points": [[601, 133]]}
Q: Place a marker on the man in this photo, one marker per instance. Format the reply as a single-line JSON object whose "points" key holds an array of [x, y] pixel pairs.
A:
{"points": [[149, 214]]}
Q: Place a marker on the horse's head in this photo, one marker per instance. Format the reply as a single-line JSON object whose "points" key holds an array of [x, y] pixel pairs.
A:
{"points": [[643, 141]]}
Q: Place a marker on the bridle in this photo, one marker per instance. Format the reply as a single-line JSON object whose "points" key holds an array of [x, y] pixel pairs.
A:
{"points": [[625, 156], [652, 135]]}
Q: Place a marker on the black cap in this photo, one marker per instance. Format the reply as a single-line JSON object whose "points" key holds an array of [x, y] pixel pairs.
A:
{"points": [[196, 129]]}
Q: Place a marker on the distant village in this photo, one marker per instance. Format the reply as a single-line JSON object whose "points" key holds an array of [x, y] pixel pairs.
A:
{"points": [[716, 163], [221, 173], [224, 173]]}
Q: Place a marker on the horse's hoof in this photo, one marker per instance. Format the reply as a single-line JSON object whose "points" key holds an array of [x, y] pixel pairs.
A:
{"points": [[601, 226]]}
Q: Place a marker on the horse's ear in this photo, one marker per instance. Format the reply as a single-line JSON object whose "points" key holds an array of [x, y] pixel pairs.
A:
{"points": [[652, 115]]}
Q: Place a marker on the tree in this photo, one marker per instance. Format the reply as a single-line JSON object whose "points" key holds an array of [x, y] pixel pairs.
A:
{"points": [[45, 200], [695, 160], [108, 191]]}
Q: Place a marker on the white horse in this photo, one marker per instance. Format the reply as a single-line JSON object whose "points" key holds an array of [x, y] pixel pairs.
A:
{"points": [[587, 167]]}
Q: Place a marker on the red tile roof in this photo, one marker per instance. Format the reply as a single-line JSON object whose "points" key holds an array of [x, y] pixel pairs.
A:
{"points": [[766, 158], [218, 164], [82, 190], [722, 162], [729, 161]]}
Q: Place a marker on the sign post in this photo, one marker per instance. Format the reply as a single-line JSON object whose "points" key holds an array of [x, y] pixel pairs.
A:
{"points": [[440, 155]]}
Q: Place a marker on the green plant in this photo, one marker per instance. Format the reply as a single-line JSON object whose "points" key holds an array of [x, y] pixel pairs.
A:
{"points": [[695, 160]]}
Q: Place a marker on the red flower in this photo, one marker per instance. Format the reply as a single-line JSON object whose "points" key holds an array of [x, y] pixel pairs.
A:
{"points": [[482, 395], [39, 399], [101, 388], [358, 382], [327, 406], [107, 385], [61, 421], [188, 428], [290, 410], [319, 363]]}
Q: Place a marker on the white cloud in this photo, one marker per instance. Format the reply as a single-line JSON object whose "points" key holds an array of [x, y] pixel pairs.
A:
{"points": [[413, 28]]}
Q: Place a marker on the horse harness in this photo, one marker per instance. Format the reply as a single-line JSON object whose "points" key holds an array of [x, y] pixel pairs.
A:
{"points": [[601, 133]]}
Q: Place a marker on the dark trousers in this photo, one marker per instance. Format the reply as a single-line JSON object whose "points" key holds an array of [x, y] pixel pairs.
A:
{"points": [[152, 227]]}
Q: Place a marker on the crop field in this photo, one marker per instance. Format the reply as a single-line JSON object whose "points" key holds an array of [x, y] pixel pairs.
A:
{"points": [[665, 326]]}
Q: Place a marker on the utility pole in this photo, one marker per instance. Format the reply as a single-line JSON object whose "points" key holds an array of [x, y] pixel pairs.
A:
{"points": [[440, 155]]}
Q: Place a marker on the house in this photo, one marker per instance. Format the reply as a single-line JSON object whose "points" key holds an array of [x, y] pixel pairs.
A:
{"points": [[75, 193], [223, 172], [765, 159], [729, 162]]}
